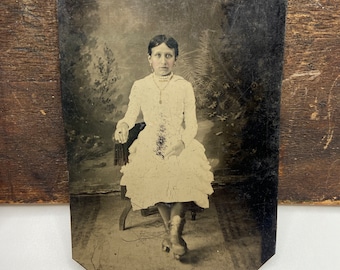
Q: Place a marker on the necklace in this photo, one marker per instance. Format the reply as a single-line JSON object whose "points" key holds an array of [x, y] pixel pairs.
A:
{"points": [[162, 79]]}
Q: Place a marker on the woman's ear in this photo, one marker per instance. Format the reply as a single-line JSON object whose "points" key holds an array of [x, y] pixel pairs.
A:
{"points": [[150, 62]]}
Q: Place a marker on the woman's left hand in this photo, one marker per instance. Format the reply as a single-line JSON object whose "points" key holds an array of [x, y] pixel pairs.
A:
{"points": [[176, 150]]}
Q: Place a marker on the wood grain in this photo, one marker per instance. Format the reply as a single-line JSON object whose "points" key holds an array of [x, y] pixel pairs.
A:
{"points": [[32, 150], [33, 164], [309, 152]]}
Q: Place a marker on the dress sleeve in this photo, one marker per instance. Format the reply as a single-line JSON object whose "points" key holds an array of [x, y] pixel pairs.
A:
{"points": [[190, 120], [133, 109]]}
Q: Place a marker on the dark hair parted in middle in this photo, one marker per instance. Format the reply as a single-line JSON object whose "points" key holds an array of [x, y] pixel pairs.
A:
{"points": [[159, 39]]}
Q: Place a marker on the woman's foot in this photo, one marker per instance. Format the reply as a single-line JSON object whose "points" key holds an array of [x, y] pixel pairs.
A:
{"points": [[178, 245]]}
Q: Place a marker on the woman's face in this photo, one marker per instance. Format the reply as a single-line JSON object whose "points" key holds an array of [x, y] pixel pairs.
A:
{"points": [[162, 59]]}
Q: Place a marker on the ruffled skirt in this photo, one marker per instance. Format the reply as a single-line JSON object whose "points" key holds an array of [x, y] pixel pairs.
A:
{"points": [[150, 179]]}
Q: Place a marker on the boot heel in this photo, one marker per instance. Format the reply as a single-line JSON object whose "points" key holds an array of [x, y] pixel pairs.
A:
{"points": [[166, 245]]}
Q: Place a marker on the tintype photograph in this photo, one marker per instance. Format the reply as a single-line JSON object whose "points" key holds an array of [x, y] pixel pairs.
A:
{"points": [[171, 112]]}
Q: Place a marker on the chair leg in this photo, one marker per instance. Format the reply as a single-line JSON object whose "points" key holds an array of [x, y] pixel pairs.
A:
{"points": [[193, 214], [194, 209], [149, 211], [123, 192], [124, 214]]}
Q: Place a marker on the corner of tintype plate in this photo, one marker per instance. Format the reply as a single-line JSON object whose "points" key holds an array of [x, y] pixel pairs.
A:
{"points": [[231, 52]]}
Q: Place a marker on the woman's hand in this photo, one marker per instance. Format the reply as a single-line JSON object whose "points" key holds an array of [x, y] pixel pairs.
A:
{"points": [[122, 133], [176, 150]]}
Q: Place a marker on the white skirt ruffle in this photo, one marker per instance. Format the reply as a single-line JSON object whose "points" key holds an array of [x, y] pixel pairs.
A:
{"points": [[150, 179]]}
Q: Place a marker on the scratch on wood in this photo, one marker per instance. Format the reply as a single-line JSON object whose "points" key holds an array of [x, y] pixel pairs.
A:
{"points": [[16, 99], [315, 114], [330, 112], [313, 74]]}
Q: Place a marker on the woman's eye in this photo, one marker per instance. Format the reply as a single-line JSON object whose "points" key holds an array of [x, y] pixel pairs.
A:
{"points": [[167, 55]]}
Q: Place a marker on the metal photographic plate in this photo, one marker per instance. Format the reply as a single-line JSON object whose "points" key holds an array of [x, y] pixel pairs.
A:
{"points": [[231, 51]]}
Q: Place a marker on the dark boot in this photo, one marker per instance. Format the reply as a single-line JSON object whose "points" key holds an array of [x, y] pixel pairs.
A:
{"points": [[178, 245]]}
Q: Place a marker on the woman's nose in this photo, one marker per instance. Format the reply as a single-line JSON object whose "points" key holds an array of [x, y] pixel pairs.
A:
{"points": [[163, 60]]}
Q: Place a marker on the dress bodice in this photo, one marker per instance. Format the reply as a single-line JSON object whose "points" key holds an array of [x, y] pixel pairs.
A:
{"points": [[176, 113]]}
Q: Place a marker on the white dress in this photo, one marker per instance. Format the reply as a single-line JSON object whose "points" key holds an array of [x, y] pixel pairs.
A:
{"points": [[148, 176]]}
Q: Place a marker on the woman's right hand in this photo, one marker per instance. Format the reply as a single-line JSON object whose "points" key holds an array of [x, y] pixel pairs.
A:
{"points": [[122, 133]]}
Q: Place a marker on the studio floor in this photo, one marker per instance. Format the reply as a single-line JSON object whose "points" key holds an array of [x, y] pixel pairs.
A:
{"points": [[225, 236]]}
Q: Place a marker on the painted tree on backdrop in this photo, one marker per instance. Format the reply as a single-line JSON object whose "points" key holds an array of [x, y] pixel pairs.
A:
{"points": [[88, 81]]}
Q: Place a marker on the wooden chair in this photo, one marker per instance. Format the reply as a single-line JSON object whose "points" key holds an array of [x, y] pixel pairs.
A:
{"points": [[121, 158]]}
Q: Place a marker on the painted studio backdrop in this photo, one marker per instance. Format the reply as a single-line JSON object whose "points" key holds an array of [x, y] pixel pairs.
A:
{"points": [[231, 51]]}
